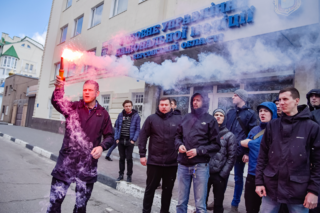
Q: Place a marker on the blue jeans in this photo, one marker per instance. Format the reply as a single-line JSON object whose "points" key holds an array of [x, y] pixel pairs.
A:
{"points": [[238, 181], [199, 173], [111, 149], [270, 206]]}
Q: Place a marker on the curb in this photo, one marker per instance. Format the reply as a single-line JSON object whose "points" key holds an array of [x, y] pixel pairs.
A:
{"points": [[127, 188]]}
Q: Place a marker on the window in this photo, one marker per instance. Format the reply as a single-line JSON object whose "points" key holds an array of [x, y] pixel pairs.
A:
{"points": [[9, 62], [31, 67], [7, 109], [86, 68], [96, 15], [78, 26], [23, 45], [4, 61], [119, 6], [69, 3], [64, 31], [57, 68], [71, 69], [138, 102], [26, 68], [105, 101], [29, 46], [5, 92]]}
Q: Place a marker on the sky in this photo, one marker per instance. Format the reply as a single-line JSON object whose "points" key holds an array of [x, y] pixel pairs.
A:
{"points": [[25, 18]]}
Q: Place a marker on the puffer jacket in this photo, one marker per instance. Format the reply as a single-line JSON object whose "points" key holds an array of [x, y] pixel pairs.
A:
{"points": [[198, 130], [314, 110], [134, 126], [223, 161]]}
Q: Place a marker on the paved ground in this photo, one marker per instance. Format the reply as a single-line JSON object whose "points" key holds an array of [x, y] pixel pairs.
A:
{"points": [[25, 184], [52, 142]]}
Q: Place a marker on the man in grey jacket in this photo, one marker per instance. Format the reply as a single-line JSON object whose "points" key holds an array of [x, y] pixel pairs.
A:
{"points": [[221, 163]]}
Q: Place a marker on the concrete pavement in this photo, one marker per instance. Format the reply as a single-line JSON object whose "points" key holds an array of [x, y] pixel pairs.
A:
{"points": [[25, 185], [52, 143]]}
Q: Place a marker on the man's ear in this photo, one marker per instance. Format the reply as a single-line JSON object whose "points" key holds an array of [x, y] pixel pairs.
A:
{"points": [[97, 93], [297, 101]]}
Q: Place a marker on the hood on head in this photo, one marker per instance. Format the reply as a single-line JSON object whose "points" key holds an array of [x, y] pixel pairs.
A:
{"points": [[313, 91], [271, 106], [224, 123], [277, 99], [205, 104], [176, 112]]}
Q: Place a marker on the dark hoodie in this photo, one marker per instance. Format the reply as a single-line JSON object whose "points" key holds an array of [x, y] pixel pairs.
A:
{"points": [[161, 128], [314, 110], [198, 130], [249, 120], [289, 158]]}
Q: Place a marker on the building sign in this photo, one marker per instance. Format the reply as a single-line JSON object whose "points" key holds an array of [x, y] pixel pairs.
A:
{"points": [[175, 34], [286, 7]]}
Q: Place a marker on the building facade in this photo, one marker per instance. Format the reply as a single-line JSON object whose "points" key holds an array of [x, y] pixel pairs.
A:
{"points": [[19, 56], [264, 46], [15, 100]]}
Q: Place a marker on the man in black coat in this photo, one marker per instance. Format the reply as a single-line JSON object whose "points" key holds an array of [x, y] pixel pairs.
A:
{"points": [[240, 121], [162, 163], [86, 123], [288, 168], [313, 98], [197, 137], [314, 104]]}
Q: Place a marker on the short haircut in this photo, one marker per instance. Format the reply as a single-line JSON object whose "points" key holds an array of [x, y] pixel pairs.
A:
{"points": [[96, 85], [164, 99], [294, 92], [174, 101], [126, 102]]}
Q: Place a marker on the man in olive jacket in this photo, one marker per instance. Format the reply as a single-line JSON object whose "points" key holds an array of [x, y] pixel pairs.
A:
{"points": [[288, 168], [162, 163]]}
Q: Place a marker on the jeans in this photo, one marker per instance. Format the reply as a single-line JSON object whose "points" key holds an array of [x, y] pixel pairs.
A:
{"points": [[59, 190], [238, 179], [125, 148], [270, 206], [199, 174], [252, 199], [111, 149], [154, 175], [218, 184]]}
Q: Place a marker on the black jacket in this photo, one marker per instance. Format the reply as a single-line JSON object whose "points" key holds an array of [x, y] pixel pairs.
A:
{"points": [[84, 132], [198, 130], [222, 162], [314, 110], [249, 120], [161, 128], [290, 145]]}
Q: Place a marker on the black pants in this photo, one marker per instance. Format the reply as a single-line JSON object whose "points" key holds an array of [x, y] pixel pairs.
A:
{"points": [[59, 190], [125, 148], [218, 189], [154, 175], [252, 199]]}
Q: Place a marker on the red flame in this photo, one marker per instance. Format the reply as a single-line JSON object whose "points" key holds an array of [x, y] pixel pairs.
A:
{"points": [[70, 55]]}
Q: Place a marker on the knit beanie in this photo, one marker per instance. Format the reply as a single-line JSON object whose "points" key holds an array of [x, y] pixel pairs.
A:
{"points": [[219, 110], [242, 94]]}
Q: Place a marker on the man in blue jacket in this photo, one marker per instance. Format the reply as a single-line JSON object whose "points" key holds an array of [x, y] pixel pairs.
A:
{"points": [[197, 137], [267, 111], [127, 130], [240, 121]]}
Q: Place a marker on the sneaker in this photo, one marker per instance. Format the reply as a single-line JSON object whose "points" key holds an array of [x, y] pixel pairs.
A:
{"points": [[210, 206], [234, 209], [129, 179], [120, 178], [108, 158]]}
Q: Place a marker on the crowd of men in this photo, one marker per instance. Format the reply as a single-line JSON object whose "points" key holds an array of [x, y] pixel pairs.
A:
{"points": [[281, 146]]}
